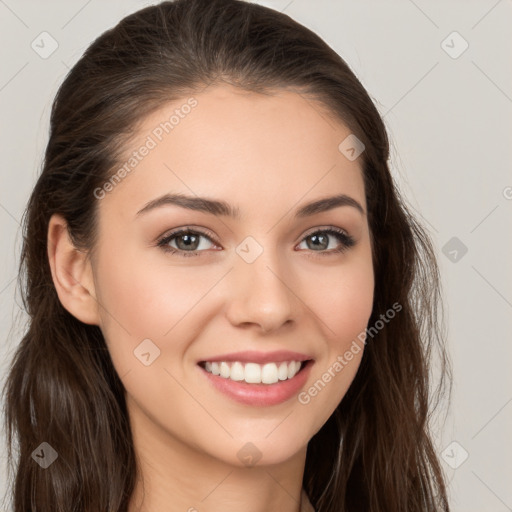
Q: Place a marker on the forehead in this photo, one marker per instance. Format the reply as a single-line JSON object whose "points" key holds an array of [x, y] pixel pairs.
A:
{"points": [[227, 142]]}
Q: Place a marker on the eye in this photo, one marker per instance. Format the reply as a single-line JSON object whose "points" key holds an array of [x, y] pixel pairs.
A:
{"points": [[320, 241], [187, 242]]}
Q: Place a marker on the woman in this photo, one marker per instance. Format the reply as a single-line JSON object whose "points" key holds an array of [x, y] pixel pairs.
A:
{"points": [[230, 306]]}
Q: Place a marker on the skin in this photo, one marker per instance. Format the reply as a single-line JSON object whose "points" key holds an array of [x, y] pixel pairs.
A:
{"points": [[267, 155]]}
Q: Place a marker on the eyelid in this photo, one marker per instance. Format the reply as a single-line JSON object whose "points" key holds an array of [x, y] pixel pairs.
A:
{"points": [[190, 229], [316, 229]]}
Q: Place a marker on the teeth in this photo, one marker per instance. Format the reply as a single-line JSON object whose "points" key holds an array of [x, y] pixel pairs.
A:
{"points": [[269, 373], [224, 370], [282, 371], [237, 372], [254, 373]]}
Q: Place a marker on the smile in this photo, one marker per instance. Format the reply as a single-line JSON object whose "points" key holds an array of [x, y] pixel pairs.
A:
{"points": [[257, 384], [254, 373]]}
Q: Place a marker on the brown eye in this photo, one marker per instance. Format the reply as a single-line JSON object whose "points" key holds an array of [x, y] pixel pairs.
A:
{"points": [[185, 241]]}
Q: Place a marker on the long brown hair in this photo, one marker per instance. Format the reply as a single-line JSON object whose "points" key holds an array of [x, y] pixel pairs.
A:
{"points": [[375, 453]]}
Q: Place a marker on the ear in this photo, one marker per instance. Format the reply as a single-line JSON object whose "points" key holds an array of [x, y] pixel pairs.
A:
{"points": [[71, 273]]}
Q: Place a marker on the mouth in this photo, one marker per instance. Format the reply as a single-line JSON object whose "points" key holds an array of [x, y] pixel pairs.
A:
{"points": [[254, 384], [254, 373]]}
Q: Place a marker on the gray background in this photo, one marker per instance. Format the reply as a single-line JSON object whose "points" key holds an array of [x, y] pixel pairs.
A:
{"points": [[449, 120]]}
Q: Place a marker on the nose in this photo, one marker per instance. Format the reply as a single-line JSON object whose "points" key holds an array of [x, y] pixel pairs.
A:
{"points": [[261, 294]]}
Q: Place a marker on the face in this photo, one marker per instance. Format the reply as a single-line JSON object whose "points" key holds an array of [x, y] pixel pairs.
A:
{"points": [[256, 278]]}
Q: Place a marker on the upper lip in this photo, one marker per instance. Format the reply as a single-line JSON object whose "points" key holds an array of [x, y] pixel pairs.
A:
{"points": [[251, 356]]}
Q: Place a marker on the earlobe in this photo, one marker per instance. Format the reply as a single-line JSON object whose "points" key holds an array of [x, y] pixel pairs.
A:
{"points": [[71, 273]]}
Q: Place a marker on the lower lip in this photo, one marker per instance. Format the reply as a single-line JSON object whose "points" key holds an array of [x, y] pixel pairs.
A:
{"points": [[260, 394]]}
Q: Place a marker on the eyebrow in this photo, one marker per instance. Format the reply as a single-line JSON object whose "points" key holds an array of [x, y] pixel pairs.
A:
{"points": [[216, 207]]}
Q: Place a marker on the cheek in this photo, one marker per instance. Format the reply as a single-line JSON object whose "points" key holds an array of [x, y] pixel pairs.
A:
{"points": [[147, 300], [141, 301], [344, 301]]}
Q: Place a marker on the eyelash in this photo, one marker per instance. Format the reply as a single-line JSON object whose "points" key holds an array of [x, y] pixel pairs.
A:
{"points": [[346, 241]]}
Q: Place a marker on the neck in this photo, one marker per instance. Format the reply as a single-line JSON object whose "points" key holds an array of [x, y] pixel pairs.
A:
{"points": [[176, 477]]}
